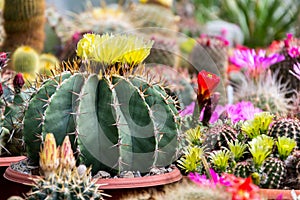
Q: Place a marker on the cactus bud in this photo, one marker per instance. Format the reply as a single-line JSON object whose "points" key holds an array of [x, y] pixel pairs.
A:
{"points": [[18, 82], [67, 159], [49, 156]]}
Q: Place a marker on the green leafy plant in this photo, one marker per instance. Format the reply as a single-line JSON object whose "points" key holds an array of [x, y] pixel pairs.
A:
{"points": [[261, 21]]}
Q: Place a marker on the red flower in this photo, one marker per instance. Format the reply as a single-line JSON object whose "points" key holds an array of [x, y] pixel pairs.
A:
{"points": [[18, 82], [243, 189], [207, 83]]}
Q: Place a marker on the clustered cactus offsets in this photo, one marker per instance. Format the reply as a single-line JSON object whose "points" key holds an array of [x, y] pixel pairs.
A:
{"points": [[116, 119], [264, 148], [62, 179]]}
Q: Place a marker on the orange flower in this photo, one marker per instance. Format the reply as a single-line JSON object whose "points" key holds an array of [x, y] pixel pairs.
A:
{"points": [[207, 83]]}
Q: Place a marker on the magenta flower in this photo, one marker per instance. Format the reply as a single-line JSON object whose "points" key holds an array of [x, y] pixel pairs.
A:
{"points": [[296, 72], [204, 181], [188, 110], [254, 62], [241, 111], [293, 51]]}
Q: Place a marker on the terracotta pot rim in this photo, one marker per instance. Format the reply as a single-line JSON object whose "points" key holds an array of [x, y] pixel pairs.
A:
{"points": [[6, 161], [112, 183]]}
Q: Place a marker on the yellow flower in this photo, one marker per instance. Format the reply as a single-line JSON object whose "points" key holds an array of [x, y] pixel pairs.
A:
{"points": [[137, 50], [111, 49], [86, 46]]}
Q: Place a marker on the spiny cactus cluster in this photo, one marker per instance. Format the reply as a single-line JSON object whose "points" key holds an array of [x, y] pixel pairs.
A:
{"points": [[62, 179], [261, 148], [13, 101], [117, 120], [265, 93]]}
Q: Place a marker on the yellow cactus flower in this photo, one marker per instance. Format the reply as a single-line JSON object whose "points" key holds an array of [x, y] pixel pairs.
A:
{"points": [[86, 46], [49, 156], [137, 50], [166, 3], [67, 159], [111, 49]]}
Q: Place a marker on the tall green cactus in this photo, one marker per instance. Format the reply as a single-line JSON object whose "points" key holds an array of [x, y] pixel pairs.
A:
{"points": [[24, 24]]}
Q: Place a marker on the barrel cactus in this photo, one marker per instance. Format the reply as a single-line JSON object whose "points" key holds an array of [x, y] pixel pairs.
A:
{"points": [[116, 120]]}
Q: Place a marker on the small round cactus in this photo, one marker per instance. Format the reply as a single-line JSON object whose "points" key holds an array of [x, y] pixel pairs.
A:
{"points": [[243, 169], [219, 136], [273, 173], [289, 127], [26, 60]]}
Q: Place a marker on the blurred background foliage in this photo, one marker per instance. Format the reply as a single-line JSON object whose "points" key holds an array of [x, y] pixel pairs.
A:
{"points": [[261, 21]]}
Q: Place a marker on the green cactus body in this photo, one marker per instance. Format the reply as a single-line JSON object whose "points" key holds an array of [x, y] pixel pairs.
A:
{"points": [[243, 169], [138, 130], [24, 24], [273, 173], [121, 123], [33, 119], [59, 116], [288, 127], [219, 136]]}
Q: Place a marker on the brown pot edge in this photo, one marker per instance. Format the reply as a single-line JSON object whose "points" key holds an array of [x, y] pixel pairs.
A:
{"points": [[118, 183]]}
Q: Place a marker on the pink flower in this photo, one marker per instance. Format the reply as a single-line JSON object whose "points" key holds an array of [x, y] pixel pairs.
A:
{"points": [[188, 110], [296, 72], [241, 111], [293, 51], [204, 181], [254, 62]]}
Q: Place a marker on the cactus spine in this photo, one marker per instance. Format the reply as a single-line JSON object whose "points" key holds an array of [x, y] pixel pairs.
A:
{"points": [[24, 24]]}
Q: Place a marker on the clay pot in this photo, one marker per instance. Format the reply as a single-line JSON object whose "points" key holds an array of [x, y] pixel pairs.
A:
{"points": [[9, 188], [274, 193], [5, 161], [116, 187]]}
